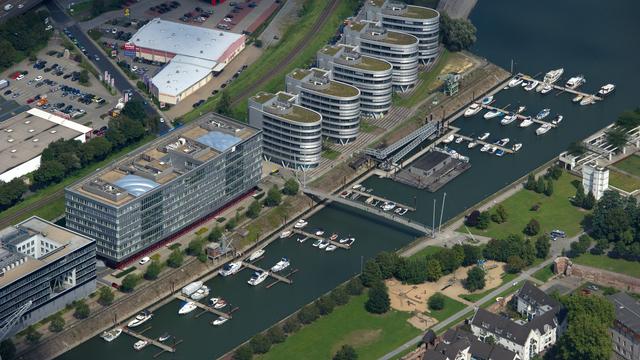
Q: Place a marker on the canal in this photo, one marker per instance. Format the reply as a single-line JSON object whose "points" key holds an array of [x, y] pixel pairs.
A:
{"points": [[594, 38]]}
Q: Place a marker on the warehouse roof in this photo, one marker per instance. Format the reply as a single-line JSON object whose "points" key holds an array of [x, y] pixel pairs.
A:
{"points": [[181, 73]]}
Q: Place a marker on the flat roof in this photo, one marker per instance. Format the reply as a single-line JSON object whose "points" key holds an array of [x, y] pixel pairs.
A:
{"points": [[163, 160], [383, 35], [281, 105], [363, 62], [627, 310], [328, 87], [182, 39], [181, 74], [409, 11]]}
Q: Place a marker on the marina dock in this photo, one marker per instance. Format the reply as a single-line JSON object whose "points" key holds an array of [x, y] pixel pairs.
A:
{"points": [[381, 199], [154, 342], [482, 142], [273, 275], [314, 236], [204, 307], [518, 116], [561, 88]]}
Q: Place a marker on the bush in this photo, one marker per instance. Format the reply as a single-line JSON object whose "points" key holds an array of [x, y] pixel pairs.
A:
{"points": [[175, 246], [515, 264], [215, 234], [195, 247], [231, 224], [291, 187], [274, 197], [276, 335], [243, 353], [106, 296], [378, 301], [371, 273], [82, 310], [475, 279], [483, 220], [355, 287], [7, 350], [175, 259], [308, 314], [153, 270], [291, 325], [32, 335], [532, 228], [346, 352], [500, 215], [340, 296], [260, 344], [129, 283], [57, 323], [436, 301], [254, 209], [472, 219], [325, 305]]}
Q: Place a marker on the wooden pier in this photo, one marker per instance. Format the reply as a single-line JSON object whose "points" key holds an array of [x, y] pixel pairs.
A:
{"points": [[518, 116], [314, 236], [204, 307], [151, 341], [561, 88], [286, 276], [482, 142], [272, 274], [380, 198]]}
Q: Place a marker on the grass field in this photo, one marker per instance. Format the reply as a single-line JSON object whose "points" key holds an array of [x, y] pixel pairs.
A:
{"points": [[429, 250], [630, 165], [555, 212], [623, 181], [451, 307], [631, 268], [544, 274], [371, 335]]}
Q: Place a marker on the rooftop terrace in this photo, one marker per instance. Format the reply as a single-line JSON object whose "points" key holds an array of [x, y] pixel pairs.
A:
{"points": [[282, 106], [408, 11]]}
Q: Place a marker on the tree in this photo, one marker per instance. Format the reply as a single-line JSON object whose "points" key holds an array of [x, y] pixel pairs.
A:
{"points": [[195, 247], [475, 279], [105, 296], [610, 219], [577, 148], [82, 310], [472, 219], [515, 264], [274, 197], [57, 323], [483, 220], [532, 228], [629, 119], [291, 325], [548, 190], [457, 34], [500, 215], [554, 172], [291, 187], [254, 209], [585, 338], [543, 245], [471, 254], [378, 301], [215, 234], [308, 314], [580, 246], [387, 262], [243, 353], [355, 287], [617, 138], [32, 335], [129, 282], [531, 182], [589, 201], [134, 110], [49, 172], [449, 259], [578, 198], [540, 185], [325, 305], [276, 335], [224, 105], [346, 352], [260, 344], [340, 296], [434, 270], [153, 270], [96, 149], [436, 301], [175, 258], [7, 350], [83, 78], [371, 274]]}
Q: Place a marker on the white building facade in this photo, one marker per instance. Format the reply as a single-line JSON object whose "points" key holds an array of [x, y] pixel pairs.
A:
{"points": [[595, 179]]}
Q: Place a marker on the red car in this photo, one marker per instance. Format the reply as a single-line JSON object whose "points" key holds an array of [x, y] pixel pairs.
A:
{"points": [[29, 101], [15, 75]]}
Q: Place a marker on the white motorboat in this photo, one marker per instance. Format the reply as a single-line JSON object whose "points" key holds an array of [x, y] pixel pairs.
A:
{"points": [[543, 129], [503, 142], [546, 89], [516, 147], [515, 82], [521, 109], [323, 244], [508, 119], [397, 210], [257, 278], [472, 110], [350, 241], [316, 243], [356, 186], [487, 100], [484, 136], [448, 139], [472, 144], [485, 148], [302, 239], [459, 139], [285, 234], [111, 335], [388, 206], [319, 232], [220, 320], [526, 122], [493, 149], [557, 120], [281, 265], [404, 211], [575, 82], [140, 319], [164, 337], [140, 344], [493, 113], [201, 293], [543, 114], [578, 98], [553, 75], [532, 85], [331, 248], [587, 100], [217, 303], [300, 224], [606, 89], [256, 255], [230, 268], [188, 307], [191, 288]]}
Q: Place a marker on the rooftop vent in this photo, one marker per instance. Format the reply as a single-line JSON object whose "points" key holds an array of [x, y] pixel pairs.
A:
{"points": [[9, 130], [31, 130], [36, 140], [11, 140], [13, 150], [28, 122], [53, 131]]}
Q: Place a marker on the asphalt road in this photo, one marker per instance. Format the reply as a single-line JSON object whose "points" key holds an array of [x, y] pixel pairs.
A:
{"points": [[15, 11]]}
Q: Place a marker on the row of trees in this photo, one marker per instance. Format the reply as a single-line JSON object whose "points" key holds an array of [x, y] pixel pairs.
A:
{"points": [[517, 251], [22, 36]]}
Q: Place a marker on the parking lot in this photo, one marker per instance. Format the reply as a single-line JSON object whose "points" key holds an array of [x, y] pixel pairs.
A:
{"points": [[52, 84]]}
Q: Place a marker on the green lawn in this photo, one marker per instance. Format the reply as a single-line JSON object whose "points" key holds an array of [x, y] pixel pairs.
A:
{"points": [[631, 268], [630, 165], [451, 307], [544, 274], [429, 250], [330, 154], [623, 181], [477, 296], [427, 85], [371, 335], [555, 212]]}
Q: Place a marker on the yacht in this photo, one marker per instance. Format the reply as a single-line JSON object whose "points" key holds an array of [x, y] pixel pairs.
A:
{"points": [[557, 120], [285, 234], [508, 119], [140, 344], [575, 82], [333, 237], [300, 224], [350, 241], [459, 139], [540, 87], [317, 243], [587, 100], [323, 244], [397, 210], [230, 268], [257, 278], [281, 265], [493, 113], [515, 82], [526, 122], [503, 142], [140, 319], [472, 144], [472, 110], [220, 304], [331, 248], [516, 147], [388, 205], [188, 307], [220, 320], [485, 148], [404, 211], [578, 98], [543, 114], [319, 232], [302, 239], [111, 335], [546, 89], [606, 89], [484, 136], [521, 109], [487, 100], [164, 337], [256, 255], [499, 152], [543, 129], [448, 139], [553, 76], [532, 85], [201, 293]]}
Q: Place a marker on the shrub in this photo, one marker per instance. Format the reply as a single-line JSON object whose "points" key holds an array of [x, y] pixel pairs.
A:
{"points": [[7, 350], [32, 335], [346, 352], [254, 209], [276, 335], [153, 270], [325, 305], [82, 310], [57, 323], [340, 296], [378, 301], [532, 228], [371, 273], [274, 197], [355, 287], [291, 325], [129, 282], [260, 344], [243, 353], [175, 259], [436, 301], [175, 246], [308, 314], [483, 220], [215, 234], [106, 296], [125, 272]]}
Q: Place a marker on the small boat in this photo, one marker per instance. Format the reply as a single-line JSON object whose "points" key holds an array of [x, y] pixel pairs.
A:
{"points": [[493, 113], [256, 254], [516, 147], [543, 114], [587, 100], [578, 98], [188, 307], [285, 234], [448, 139], [323, 244], [553, 76], [333, 237], [319, 232], [217, 303], [281, 265], [111, 335], [344, 194], [485, 148], [230, 268], [526, 122], [343, 240], [557, 120], [317, 243], [499, 152], [493, 149], [508, 119], [546, 89], [521, 109], [388, 206], [356, 186], [503, 142], [606, 89], [472, 110], [302, 239], [201, 293], [300, 224], [532, 85], [404, 211], [331, 248], [472, 144], [543, 129], [213, 301], [575, 82], [459, 139], [350, 242], [140, 344], [397, 210], [140, 319], [515, 82], [487, 100], [484, 136], [220, 320], [164, 337], [257, 278]]}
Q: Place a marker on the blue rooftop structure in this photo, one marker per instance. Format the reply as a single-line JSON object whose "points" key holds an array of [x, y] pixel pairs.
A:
{"points": [[136, 185], [218, 140]]}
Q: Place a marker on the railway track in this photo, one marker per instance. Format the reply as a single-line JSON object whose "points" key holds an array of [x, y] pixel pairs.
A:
{"points": [[27, 210]]}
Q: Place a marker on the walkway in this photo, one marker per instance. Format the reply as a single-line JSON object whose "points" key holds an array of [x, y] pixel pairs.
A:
{"points": [[271, 273], [314, 236], [151, 341]]}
